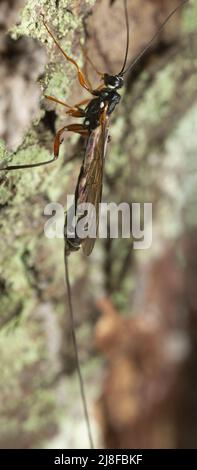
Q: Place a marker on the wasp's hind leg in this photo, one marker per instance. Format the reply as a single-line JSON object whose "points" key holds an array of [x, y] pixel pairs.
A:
{"points": [[25, 166], [77, 128]]}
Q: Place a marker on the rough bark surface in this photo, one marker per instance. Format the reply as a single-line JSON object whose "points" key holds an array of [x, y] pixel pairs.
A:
{"points": [[151, 157]]}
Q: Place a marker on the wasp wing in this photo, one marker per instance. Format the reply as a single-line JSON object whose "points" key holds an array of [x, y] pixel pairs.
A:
{"points": [[89, 187]]}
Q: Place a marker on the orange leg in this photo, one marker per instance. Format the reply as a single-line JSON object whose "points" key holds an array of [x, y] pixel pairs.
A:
{"points": [[76, 112], [56, 100], [73, 110], [103, 116], [81, 103], [84, 82], [77, 128], [21, 167]]}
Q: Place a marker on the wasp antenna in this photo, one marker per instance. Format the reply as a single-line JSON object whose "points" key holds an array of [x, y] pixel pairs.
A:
{"points": [[127, 43], [140, 55]]}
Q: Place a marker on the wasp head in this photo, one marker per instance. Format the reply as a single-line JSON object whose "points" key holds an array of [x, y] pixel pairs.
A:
{"points": [[113, 81]]}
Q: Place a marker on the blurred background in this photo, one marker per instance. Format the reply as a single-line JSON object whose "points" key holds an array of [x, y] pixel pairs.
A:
{"points": [[135, 310]]}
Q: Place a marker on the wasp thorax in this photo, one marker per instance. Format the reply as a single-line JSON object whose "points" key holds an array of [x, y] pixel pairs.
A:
{"points": [[113, 81]]}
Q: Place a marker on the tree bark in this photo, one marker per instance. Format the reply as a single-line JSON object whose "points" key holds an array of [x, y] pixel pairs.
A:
{"points": [[150, 159]]}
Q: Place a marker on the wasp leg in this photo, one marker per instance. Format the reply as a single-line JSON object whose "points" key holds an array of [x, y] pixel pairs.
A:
{"points": [[56, 100], [103, 116], [71, 109], [84, 82], [77, 128], [81, 103], [76, 112], [21, 167]]}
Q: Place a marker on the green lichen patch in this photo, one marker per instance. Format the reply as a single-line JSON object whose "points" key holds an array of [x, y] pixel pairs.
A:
{"points": [[64, 25], [30, 404], [190, 17]]}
